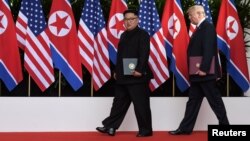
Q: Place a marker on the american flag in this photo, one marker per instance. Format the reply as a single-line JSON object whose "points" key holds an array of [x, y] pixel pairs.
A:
{"points": [[231, 42], [10, 63], [176, 37], [150, 21], [92, 35], [205, 4], [34, 41]]}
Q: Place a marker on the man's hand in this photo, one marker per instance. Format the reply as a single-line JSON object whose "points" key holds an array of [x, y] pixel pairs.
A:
{"points": [[201, 73], [136, 74]]}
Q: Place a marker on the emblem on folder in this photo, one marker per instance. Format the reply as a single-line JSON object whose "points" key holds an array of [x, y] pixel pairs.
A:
{"points": [[131, 66], [195, 62]]}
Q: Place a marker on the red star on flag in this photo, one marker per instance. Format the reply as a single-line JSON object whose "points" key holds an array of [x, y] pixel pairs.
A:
{"points": [[1, 18], [119, 26], [230, 27], [173, 27], [60, 23]]}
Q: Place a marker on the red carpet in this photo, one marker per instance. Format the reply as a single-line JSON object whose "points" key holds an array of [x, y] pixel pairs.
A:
{"points": [[95, 136]]}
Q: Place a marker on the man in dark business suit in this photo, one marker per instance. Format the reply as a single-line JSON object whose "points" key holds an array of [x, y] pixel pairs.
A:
{"points": [[134, 43], [203, 43]]}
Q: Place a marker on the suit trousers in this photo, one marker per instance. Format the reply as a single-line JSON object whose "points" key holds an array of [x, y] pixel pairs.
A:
{"points": [[197, 92], [125, 94]]}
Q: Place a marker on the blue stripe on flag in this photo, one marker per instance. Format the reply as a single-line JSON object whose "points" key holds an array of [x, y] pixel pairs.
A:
{"points": [[112, 53], [223, 47], [169, 49], [237, 77], [69, 74], [182, 83], [6, 77]]}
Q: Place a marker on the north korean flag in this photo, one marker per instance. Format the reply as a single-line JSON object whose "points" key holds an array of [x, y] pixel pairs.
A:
{"points": [[231, 43], [176, 41], [10, 63], [64, 42], [115, 26]]}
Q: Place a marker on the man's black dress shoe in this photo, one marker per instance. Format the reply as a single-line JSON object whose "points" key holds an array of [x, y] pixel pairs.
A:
{"points": [[109, 131], [101, 129], [144, 135], [179, 132]]}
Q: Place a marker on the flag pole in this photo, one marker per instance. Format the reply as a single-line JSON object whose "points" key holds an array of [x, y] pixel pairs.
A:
{"points": [[92, 89], [0, 88], [59, 84], [173, 92], [29, 86], [227, 85]]}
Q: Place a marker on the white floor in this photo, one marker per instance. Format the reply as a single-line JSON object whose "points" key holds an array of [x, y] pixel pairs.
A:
{"points": [[85, 114]]}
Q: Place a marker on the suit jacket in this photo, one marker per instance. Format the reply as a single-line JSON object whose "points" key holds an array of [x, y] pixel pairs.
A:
{"points": [[133, 44], [203, 43]]}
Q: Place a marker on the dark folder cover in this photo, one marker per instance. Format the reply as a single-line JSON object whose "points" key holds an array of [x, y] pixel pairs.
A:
{"points": [[194, 65], [129, 65]]}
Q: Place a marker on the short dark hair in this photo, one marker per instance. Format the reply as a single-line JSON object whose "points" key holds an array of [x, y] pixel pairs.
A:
{"points": [[134, 11]]}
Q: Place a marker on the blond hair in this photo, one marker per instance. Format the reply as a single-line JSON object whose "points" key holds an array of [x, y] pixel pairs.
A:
{"points": [[199, 9]]}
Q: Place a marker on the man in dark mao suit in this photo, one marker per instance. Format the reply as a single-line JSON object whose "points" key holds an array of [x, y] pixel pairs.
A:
{"points": [[134, 43], [203, 43]]}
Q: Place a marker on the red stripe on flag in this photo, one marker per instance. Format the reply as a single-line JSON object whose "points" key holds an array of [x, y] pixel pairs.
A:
{"points": [[160, 70], [89, 53], [94, 43]]}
